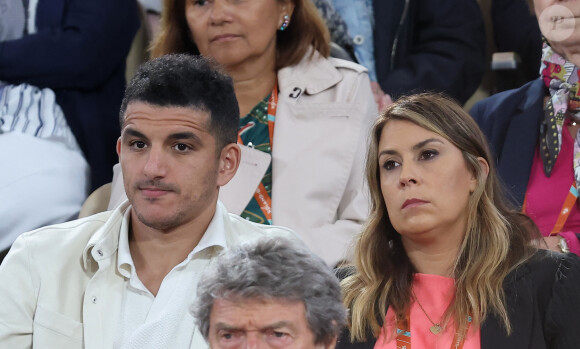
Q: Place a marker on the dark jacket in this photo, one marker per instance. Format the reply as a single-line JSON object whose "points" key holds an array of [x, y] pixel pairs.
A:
{"points": [[79, 51], [511, 122], [429, 45], [543, 304]]}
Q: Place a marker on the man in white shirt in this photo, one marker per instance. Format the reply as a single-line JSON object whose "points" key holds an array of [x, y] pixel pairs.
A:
{"points": [[126, 278]]}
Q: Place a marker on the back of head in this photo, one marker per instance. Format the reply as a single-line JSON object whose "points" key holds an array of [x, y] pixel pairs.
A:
{"points": [[194, 82], [274, 269]]}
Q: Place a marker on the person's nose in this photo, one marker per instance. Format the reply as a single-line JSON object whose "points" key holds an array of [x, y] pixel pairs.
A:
{"points": [[254, 340], [221, 12], [408, 175], [155, 166]]}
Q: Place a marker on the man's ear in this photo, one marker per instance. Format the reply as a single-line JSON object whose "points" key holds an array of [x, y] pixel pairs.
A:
{"points": [[119, 148], [229, 162], [328, 345]]}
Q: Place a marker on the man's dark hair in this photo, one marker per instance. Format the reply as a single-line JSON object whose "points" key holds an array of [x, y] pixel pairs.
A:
{"points": [[196, 82]]}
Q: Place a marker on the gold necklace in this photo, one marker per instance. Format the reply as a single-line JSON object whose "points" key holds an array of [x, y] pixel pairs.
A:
{"points": [[436, 328]]}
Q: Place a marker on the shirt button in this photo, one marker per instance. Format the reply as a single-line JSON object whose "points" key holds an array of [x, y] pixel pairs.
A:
{"points": [[94, 300], [100, 252], [358, 39]]}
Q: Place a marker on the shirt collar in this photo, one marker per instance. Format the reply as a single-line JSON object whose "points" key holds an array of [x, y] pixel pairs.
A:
{"points": [[125, 264], [213, 236], [104, 242]]}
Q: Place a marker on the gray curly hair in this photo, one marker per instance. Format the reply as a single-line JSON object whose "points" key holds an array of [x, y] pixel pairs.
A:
{"points": [[274, 269]]}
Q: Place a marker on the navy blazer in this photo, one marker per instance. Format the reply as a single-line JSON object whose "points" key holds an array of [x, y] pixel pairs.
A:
{"points": [[79, 51], [423, 45], [511, 122], [543, 304]]}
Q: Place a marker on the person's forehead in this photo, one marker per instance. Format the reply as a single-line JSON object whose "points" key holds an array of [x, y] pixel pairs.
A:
{"points": [[141, 113], [255, 314], [397, 132]]}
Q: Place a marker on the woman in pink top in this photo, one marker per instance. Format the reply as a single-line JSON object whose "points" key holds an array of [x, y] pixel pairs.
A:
{"points": [[443, 261]]}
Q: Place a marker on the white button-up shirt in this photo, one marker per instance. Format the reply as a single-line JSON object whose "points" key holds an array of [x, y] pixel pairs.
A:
{"points": [[142, 314]]}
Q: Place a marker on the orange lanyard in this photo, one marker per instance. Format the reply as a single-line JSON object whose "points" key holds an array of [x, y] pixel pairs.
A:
{"points": [[564, 211], [261, 195], [404, 335], [272, 108]]}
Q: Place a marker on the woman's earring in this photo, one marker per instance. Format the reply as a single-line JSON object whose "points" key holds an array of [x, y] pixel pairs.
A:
{"points": [[285, 23]]}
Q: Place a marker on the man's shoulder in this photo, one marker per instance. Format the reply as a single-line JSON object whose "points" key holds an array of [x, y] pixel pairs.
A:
{"points": [[246, 230], [63, 236], [505, 102]]}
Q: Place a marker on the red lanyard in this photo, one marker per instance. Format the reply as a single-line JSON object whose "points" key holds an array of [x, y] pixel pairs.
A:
{"points": [[404, 335], [261, 195], [564, 211]]}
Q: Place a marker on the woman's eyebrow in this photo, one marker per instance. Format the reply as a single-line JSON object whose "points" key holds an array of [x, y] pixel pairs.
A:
{"points": [[425, 142], [415, 147]]}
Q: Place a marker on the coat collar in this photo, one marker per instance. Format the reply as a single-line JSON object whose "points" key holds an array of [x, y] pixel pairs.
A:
{"points": [[536, 88], [313, 75]]}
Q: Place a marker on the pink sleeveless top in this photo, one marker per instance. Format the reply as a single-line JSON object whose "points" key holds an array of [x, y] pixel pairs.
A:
{"points": [[434, 293]]}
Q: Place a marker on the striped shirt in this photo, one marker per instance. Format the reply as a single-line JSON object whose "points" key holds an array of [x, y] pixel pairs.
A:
{"points": [[25, 108]]}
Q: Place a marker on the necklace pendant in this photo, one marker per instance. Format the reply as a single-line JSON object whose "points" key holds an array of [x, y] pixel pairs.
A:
{"points": [[435, 329]]}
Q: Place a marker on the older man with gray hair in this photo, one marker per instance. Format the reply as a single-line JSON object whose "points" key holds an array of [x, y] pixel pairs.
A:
{"points": [[271, 294]]}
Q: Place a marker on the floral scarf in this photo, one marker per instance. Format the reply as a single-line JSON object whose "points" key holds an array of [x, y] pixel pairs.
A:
{"points": [[562, 79]]}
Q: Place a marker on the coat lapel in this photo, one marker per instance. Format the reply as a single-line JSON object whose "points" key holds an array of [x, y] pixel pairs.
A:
{"points": [[522, 134]]}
